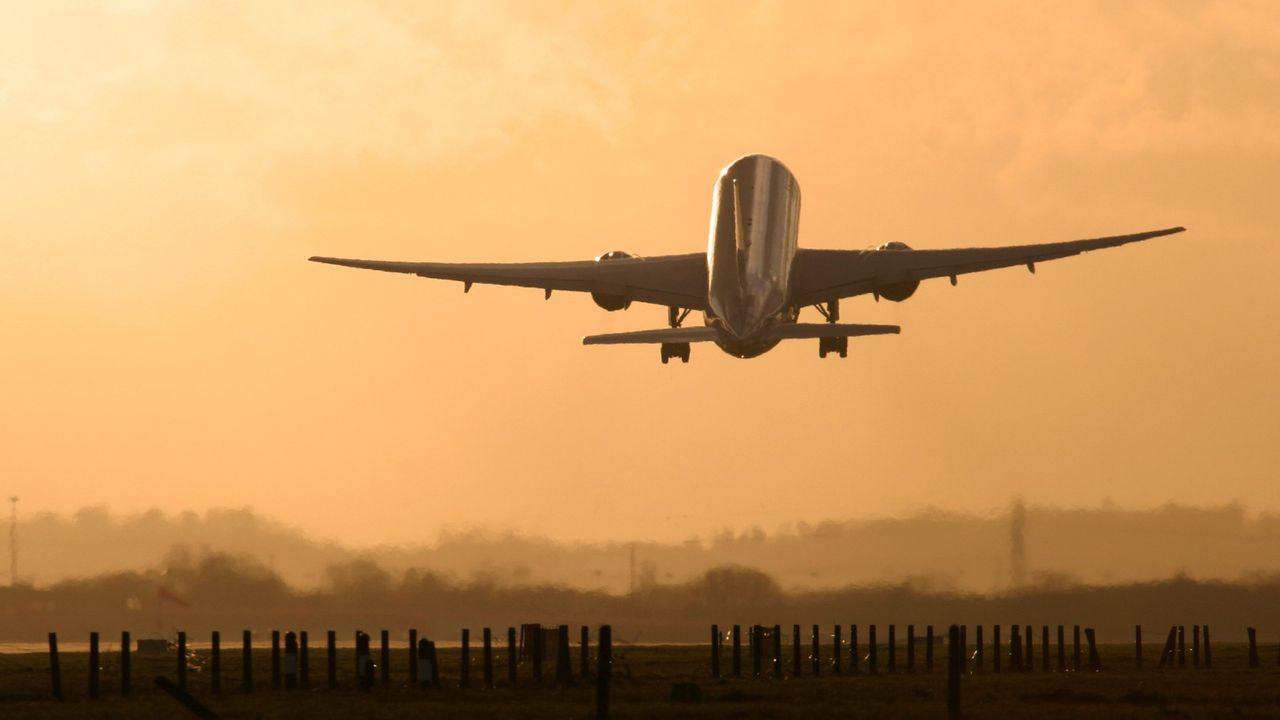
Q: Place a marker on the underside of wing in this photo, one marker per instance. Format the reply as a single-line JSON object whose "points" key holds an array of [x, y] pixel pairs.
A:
{"points": [[675, 280], [826, 275]]}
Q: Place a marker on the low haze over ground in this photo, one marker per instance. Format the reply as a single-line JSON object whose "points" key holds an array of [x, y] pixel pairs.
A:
{"points": [[170, 166], [932, 551]]}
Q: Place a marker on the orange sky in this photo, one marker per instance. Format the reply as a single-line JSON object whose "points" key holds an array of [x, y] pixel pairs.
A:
{"points": [[168, 167]]}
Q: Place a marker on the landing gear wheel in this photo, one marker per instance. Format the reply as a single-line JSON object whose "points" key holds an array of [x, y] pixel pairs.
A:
{"points": [[675, 350], [833, 345]]}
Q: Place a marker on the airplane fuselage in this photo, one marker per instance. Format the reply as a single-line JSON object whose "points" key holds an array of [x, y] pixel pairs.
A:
{"points": [[755, 224]]}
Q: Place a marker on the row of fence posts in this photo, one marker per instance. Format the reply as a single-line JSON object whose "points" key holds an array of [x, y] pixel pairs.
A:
{"points": [[1174, 653], [294, 671], [1020, 655]]}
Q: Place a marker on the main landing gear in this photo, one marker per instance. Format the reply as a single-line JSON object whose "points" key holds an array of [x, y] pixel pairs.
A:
{"points": [[831, 311], [675, 317], [833, 344], [675, 350]]}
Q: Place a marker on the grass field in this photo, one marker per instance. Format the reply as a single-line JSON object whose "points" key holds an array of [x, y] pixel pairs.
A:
{"points": [[641, 688]]}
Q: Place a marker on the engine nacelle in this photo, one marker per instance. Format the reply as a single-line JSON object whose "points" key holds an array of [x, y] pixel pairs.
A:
{"points": [[897, 292], [605, 300]]}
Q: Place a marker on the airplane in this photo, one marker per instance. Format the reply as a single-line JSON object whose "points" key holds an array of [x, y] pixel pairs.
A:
{"points": [[754, 279]]}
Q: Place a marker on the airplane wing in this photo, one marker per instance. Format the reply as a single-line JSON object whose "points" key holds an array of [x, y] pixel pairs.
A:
{"points": [[825, 275], [674, 280]]}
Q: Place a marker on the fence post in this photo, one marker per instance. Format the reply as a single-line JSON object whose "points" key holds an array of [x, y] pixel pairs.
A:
{"points": [[795, 651], [978, 659], [1182, 646], [1062, 652], [384, 658], [1137, 647], [182, 660], [871, 649], [715, 651], [422, 678], [511, 656], [1015, 648], [564, 663], [290, 661], [837, 652], [434, 664], [1075, 648], [464, 660], [215, 662], [488, 657], [953, 672], [1044, 648], [126, 676], [1166, 654], [1253, 648], [817, 651], [911, 646], [964, 648], [854, 655], [94, 665], [55, 671], [604, 671], [332, 659], [928, 648], [995, 648], [1095, 664], [1208, 653], [1029, 658], [737, 651], [757, 651], [585, 649], [777, 651], [537, 653], [893, 648], [413, 656], [246, 662], [304, 661], [364, 662], [275, 659]]}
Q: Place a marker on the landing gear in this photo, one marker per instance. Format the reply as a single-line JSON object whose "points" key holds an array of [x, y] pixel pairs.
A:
{"points": [[829, 310], [676, 316], [675, 350], [833, 344]]}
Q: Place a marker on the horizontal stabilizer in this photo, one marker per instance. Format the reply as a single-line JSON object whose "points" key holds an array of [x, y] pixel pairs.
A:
{"points": [[784, 331], [665, 335], [796, 331]]}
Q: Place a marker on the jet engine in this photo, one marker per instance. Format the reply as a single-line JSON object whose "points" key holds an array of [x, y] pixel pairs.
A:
{"points": [[605, 300], [897, 292]]}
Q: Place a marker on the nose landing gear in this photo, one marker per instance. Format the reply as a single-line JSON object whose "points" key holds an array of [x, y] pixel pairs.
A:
{"points": [[675, 350], [833, 344]]}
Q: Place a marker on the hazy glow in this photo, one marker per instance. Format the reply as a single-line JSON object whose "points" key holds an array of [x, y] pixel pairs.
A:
{"points": [[169, 167]]}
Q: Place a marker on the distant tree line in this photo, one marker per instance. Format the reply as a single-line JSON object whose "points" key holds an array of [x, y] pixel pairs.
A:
{"points": [[202, 592]]}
